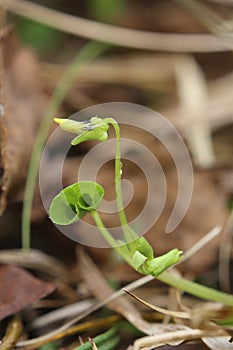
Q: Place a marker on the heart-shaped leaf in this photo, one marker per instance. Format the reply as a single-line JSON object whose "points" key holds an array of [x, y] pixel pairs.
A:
{"points": [[75, 201]]}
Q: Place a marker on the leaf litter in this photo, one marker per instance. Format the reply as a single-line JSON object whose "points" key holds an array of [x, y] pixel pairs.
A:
{"points": [[19, 289]]}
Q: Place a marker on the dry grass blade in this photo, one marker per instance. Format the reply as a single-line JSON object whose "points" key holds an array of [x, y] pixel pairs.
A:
{"points": [[185, 315], [62, 313], [35, 259], [199, 318], [218, 343], [149, 343], [202, 243], [116, 35], [136, 69], [100, 288], [82, 327], [209, 18], [50, 335], [188, 73], [131, 286]]}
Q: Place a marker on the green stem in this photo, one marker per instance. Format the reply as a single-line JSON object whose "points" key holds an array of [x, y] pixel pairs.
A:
{"points": [[121, 250], [106, 234], [196, 289], [130, 235], [166, 277], [83, 58], [183, 284]]}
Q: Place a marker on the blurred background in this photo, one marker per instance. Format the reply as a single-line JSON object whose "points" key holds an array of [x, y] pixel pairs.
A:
{"points": [[172, 56]]}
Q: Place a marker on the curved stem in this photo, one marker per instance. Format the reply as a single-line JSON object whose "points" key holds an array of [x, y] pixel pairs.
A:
{"points": [[106, 234], [196, 289], [130, 235], [121, 250]]}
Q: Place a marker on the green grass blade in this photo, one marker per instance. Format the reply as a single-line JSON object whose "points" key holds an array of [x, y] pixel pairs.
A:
{"points": [[87, 54]]}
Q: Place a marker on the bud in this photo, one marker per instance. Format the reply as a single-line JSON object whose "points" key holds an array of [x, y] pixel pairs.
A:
{"points": [[93, 129]]}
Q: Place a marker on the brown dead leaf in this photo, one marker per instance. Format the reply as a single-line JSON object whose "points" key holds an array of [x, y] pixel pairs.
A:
{"points": [[19, 289], [24, 105]]}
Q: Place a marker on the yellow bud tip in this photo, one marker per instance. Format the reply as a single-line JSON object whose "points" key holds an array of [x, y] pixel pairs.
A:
{"points": [[58, 120]]}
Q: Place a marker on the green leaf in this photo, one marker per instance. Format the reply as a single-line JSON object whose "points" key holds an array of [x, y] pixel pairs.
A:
{"points": [[75, 201]]}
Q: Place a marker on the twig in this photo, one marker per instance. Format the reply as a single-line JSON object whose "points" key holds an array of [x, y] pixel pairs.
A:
{"points": [[201, 243], [13, 332], [132, 38]]}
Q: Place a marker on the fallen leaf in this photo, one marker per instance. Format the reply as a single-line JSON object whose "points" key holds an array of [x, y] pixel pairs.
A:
{"points": [[19, 289]]}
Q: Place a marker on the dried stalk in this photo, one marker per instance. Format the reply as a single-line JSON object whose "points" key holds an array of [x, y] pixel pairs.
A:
{"points": [[131, 38]]}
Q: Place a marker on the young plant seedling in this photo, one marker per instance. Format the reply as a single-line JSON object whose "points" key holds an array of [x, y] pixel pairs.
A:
{"points": [[81, 198]]}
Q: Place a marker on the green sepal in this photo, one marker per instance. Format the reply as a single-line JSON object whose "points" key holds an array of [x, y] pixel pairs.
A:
{"points": [[138, 260], [75, 201], [145, 248], [98, 134], [142, 246], [160, 264]]}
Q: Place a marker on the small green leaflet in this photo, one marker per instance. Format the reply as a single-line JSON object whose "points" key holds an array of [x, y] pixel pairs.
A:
{"points": [[75, 201]]}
